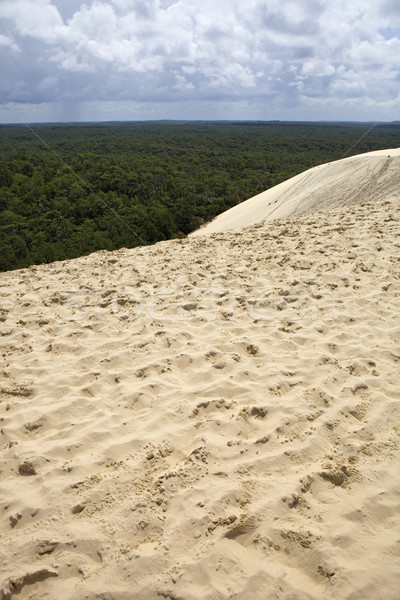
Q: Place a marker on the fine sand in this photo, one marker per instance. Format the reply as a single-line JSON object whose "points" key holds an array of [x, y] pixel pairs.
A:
{"points": [[207, 419]]}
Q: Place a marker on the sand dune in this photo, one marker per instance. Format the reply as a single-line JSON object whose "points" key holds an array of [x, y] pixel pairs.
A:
{"points": [[361, 178], [204, 419]]}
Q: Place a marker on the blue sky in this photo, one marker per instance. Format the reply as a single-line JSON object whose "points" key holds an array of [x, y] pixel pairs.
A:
{"points": [[68, 60]]}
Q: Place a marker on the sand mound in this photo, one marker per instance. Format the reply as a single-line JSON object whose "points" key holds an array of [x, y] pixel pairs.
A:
{"points": [[206, 419], [362, 178]]}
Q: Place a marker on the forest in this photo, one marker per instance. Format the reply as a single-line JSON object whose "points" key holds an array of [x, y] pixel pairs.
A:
{"points": [[67, 190]]}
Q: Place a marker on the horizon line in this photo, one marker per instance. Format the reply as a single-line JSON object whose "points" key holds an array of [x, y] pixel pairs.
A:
{"points": [[133, 121]]}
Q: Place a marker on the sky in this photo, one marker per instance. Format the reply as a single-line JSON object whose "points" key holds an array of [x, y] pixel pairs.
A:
{"points": [[104, 60]]}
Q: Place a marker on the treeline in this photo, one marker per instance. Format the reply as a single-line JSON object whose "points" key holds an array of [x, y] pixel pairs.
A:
{"points": [[68, 190]]}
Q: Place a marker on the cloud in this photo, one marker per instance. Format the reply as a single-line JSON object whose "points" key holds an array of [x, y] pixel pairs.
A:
{"points": [[6, 41], [317, 69], [391, 9], [263, 52], [38, 19]]}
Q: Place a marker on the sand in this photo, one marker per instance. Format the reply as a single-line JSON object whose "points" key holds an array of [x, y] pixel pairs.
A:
{"points": [[205, 419], [353, 180]]}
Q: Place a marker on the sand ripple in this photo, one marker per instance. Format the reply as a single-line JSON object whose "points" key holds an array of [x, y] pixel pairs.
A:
{"points": [[205, 419]]}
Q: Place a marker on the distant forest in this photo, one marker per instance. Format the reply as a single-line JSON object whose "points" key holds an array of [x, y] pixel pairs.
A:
{"points": [[68, 190]]}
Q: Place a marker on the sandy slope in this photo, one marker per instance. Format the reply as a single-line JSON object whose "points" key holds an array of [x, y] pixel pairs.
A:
{"points": [[206, 419], [361, 178]]}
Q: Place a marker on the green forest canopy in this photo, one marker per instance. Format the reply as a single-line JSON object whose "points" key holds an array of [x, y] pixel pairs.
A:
{"points": [[68, 190]]}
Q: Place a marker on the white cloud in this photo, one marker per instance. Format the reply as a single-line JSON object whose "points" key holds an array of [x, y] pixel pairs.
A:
{"points": [[95, 22], [318, 69], [6, 41], [155, 50], [35, 18], [348, 87]]}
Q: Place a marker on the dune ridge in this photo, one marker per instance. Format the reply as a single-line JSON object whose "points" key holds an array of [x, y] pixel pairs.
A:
{"points": [[208, 418], [353, 180]]}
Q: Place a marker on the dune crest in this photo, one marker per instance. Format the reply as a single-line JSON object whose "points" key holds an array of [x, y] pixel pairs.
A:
{"points": [[357, 179], [209, 418]]}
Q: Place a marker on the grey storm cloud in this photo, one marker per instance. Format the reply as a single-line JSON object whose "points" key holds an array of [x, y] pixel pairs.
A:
{"points": [[301, 55], [391, 8]]}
